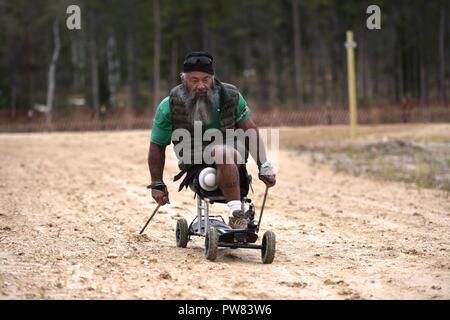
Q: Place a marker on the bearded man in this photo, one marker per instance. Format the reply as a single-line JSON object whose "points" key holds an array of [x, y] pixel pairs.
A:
{"points": [[201, 99]]}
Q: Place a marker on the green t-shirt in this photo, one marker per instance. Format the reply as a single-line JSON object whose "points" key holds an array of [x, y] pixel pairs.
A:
{"points": [[162, 123]]}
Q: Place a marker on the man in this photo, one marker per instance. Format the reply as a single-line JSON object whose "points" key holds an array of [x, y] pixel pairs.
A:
{"points": [[203, 100]]}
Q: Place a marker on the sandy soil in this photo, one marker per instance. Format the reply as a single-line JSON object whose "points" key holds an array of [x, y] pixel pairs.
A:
{"points": [[71, 205]]}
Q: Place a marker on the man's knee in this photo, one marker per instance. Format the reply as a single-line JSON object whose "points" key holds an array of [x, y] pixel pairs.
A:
{"points": [[224, 154]]}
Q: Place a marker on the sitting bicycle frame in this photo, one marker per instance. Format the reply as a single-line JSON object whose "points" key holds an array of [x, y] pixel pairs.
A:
{"points": [[217, 233], [243, 238]]}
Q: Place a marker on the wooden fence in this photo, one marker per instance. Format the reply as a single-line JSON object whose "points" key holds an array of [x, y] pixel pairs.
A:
{"points": [[82, 120]]}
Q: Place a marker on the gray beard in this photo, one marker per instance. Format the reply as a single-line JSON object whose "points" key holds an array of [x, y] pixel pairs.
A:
{"points": [[200, 109]]}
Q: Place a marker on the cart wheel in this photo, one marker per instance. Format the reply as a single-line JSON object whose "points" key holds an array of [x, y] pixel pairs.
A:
{"points": [[182, 233], [268, 247], [211, 244]]}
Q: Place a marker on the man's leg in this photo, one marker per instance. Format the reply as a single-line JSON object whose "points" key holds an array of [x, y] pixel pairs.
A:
{"points": [[228, 181], [227, 162]]}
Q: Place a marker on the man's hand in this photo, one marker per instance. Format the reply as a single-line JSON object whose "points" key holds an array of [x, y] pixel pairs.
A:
{"points": [[269, 180], [160, 197], [267, 175], [160, 193]]}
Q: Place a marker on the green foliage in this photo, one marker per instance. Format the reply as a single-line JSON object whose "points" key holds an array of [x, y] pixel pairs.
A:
{"points": [[245, 37]]}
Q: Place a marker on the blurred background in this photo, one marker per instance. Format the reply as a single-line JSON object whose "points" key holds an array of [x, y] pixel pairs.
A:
{"points": [[287, 57]]}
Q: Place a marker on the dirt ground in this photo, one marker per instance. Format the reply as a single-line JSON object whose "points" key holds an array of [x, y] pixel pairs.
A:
{"points": [[72, 204]]}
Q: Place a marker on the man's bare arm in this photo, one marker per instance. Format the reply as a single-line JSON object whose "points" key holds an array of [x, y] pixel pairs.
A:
{"points": [[258, 155], [156, 161]]}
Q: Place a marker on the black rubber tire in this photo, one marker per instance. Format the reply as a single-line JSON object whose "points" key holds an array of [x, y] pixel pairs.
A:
{"points": [[268, 247], [211, 244], [182, 233]]}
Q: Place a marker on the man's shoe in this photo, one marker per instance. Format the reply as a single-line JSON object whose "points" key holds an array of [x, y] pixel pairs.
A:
{"points": [[238, 220]]}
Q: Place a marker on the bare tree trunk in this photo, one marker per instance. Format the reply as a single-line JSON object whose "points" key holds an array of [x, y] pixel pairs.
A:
{"points": [[361, 66], [297, 53], [442, 66], [273, 74], [314, 75], [16, 78], [94, 67], [29, 64], [156, 54], [205, 33], [212, 44], [14, 94], [131, 77], [113, 70], [131, 55], [399, 65], [52, 70], [78, 60], [368, 54], [249, 70], [174, 63], [423, 84], [328, 93]]}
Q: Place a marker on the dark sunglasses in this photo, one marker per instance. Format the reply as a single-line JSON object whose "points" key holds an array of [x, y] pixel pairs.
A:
{"points": [[199, 59]]}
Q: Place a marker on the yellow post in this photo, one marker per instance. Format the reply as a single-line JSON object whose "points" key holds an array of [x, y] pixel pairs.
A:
{"points": [[351, 45]]}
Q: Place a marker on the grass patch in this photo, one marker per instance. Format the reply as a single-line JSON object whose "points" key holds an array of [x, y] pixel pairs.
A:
{"points": [[426, 165]]}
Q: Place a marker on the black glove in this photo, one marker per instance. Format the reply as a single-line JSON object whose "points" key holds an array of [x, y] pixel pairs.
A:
{"points": [[159, 185]]}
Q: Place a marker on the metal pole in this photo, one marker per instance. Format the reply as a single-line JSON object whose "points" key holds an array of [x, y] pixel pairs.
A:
{"points": [[206, 215], [262, 208], [151, 217], [351, 45]]}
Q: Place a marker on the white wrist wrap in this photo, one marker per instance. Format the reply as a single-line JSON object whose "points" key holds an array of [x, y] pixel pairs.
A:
{"points": [[266, 169]]}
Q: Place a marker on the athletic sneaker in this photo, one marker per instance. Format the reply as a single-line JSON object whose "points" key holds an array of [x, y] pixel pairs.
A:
{"points": [[238, 220]]}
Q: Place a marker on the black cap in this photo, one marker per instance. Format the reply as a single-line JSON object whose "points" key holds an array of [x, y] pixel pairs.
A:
{"points": [[198, 61]]}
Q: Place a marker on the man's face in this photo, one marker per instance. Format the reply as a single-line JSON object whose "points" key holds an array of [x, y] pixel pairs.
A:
{"points": [[198, 83]]}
